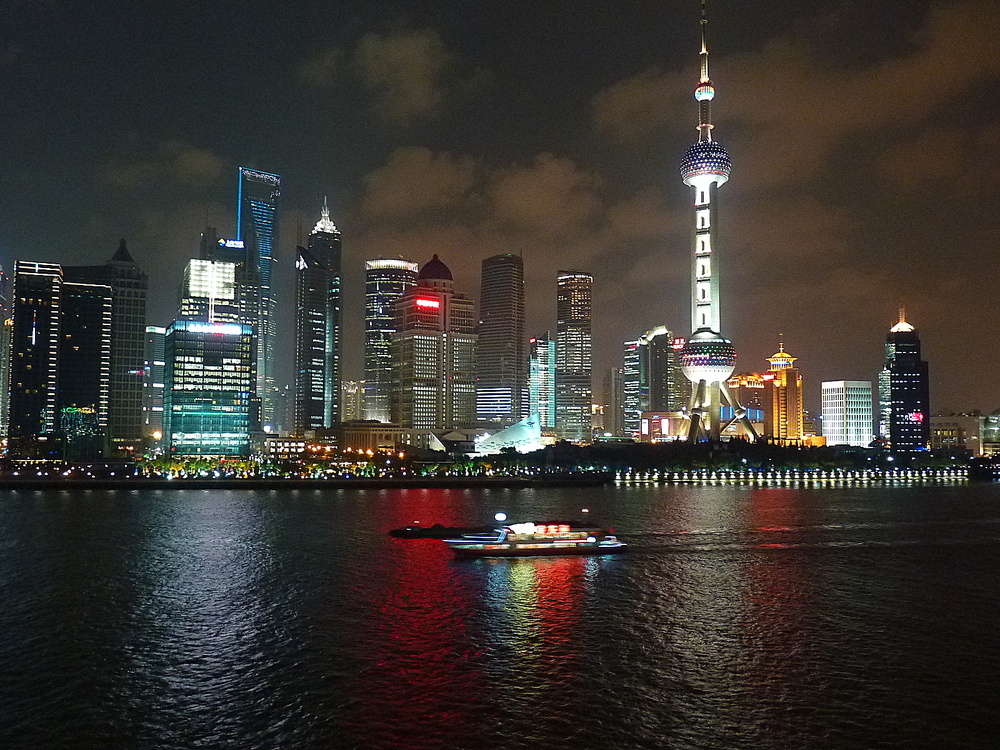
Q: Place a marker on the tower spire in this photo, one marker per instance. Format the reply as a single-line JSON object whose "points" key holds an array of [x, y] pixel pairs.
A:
{"points": [[705, 91], [324, 224]]}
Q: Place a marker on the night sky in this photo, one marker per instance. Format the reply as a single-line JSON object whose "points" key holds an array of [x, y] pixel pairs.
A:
{"points": [[865, 139]]}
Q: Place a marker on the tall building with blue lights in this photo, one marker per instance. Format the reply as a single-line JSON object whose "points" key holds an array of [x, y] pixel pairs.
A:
{"points": [[708, 358], [257, 229], [209, 406]]}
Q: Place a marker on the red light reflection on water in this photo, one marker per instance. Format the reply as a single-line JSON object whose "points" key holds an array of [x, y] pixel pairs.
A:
{"points": [[779, 631], [418, 654]]}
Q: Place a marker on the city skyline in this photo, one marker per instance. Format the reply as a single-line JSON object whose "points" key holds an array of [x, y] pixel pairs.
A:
{"points": [[840, 122]]}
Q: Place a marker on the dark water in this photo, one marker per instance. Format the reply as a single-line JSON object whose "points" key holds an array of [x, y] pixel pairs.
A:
{"points": [[741, 618]]}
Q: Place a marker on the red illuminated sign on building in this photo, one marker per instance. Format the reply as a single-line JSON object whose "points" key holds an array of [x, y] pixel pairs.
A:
{"points": [[435, 303]]}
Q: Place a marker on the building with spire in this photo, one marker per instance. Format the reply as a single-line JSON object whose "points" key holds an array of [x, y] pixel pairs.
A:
{"points": [[708, 359], [904, 391], [434, 354], [502, 358], [783, 411], [317, 328], [386, 279]]}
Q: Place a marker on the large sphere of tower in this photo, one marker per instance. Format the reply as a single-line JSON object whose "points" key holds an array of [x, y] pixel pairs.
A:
{"points": [[708, 356], [706, 162]]}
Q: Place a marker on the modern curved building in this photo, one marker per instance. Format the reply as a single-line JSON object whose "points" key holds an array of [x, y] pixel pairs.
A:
{"points": [[708, 358]]}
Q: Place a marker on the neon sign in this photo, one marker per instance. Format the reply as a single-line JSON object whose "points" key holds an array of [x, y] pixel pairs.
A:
{"points": [[434, 303]]}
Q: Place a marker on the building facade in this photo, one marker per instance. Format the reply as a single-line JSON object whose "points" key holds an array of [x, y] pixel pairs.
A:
{"points": [[434, 354], [208, 384], [904, 392], [130, 286], [386, 279], [152, 385], [502, 358], [317, 329], [847, 412], [574, 355]]}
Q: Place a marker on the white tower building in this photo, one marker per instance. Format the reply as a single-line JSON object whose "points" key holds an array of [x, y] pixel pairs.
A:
{"points": [[707, 359]]}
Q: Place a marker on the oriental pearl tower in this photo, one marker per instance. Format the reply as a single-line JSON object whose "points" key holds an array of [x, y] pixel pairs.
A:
{"points": [[708, 358]]}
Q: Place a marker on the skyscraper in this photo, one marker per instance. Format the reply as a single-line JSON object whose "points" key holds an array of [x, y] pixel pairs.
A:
{"points": [[317, 328], [904, 391], [708, 359], [5, 329], [129, 285], [783, 412], [574, 357], [652, 380], [501, 358], [385, 281], [60, 367], [847, 412], [542, 379], [434, 354], [34, 362], [257, 229], [614, 411]]}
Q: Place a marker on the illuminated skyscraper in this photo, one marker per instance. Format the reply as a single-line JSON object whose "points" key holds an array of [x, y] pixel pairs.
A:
{"points": [[34, 362], [434, 354], [5, 330], [502, 359], [317, 329], [385, 281], [257, 229], [574, 356], [61, 344], [208, 385], [847, 412], [542, 379], [708, 359], [904, 391]]}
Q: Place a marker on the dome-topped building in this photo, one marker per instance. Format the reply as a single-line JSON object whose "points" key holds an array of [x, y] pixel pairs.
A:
{"points": [[434, 269]]}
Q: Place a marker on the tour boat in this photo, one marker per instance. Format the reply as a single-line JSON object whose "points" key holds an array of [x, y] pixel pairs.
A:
{"points": [[529, 539]]}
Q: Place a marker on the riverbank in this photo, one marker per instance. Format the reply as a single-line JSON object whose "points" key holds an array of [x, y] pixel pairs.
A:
{"points": [[275, 483]]}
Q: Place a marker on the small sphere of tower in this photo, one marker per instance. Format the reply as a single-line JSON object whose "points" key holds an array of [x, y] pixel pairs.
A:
{"points": [[705, 92], [706, 161]]}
